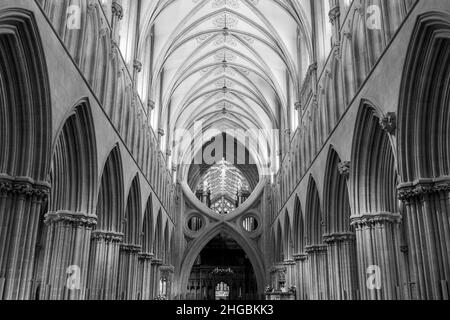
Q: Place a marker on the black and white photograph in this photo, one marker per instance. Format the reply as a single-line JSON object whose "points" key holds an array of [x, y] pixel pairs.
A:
{"points": [[224, 157]]}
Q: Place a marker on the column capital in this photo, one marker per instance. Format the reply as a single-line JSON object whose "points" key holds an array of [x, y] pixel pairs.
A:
{"points": [[106, 236], [77, 219], [338, 237], [316, 249], [24, 186], [300, 257], [157, 262], [145, 256], [371, 219], [131, 248], [423, 187]]}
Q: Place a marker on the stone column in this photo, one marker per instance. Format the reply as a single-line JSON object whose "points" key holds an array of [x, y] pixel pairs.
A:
{"points": [[318, 272], [302, 282], [166, 276], [378, 246], [145, 275], [104, 265], [156, 264], [21, 202], [427, 208], [66, 259], [342, 266], [290, 273], [128, 272]]}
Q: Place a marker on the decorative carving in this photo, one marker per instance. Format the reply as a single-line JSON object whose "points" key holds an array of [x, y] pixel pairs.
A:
{"points": [[370, 220], [117, 10], [388, 122], [74, 219], [145, 256], [316, 249], [137, 65], [130, 248], [344, 168], [24, 187], [410, 191], [339, 237], [108, 237]]}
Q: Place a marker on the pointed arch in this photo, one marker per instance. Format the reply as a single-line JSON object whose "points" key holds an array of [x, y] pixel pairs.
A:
{"points": [[147, 227], [314, 217], [299, 227], [374, 174], [132, 228], [110, 203], [74, 165], [25, 102], [336, 197], [197, 246]]}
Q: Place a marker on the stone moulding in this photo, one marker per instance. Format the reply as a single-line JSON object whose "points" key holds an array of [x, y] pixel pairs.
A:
{"points": [[110, 237], [420, 188], [372, 219], [146, 256], [300, 257], [316, 249], [24, 186], [131, 248], [338, 237], [71, 218]]}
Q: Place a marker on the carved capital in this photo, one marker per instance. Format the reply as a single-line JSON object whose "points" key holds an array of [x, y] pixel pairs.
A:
{"points": [[78, 220], [316, 249], [422, 188], [24, 187], [338, 237], [371, 220], [130, 248], [108, 237]]}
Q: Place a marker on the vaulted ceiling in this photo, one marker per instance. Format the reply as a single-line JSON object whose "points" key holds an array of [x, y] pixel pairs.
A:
{"points": [[231, 64]]}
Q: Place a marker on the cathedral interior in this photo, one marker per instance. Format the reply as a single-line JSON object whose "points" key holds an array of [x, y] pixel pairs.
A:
{"points": [[224, 149]]}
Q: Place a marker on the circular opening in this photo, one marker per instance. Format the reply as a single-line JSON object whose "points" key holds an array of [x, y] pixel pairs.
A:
{"points": [[195, 224], [250, 224]]}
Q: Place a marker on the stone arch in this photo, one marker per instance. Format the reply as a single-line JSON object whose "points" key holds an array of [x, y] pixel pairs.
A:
{"points": [[299, 227], [196, 247], [132, 227], [104, 248], [424, 152], [74, 165], [373, 178], [110, 203], [339, 237], [71, 216], [373, 183], [336, 197], [147, 227], [25, 141], [314, 218]]}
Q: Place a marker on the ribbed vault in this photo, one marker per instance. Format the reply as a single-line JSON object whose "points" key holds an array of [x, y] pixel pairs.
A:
{"points": [[230, 64]]}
